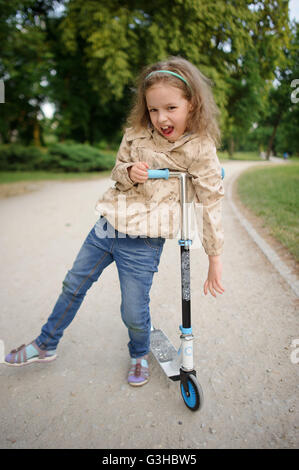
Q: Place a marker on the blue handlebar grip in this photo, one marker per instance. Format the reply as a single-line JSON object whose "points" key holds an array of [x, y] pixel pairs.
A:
{"points": [[164, 174], [158, 174]]}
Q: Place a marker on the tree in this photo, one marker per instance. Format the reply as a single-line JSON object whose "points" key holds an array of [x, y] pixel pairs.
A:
{"points": [[86, 60], [282, 112], [236, 45], [252, 70], [24, 65], [244, 99]]}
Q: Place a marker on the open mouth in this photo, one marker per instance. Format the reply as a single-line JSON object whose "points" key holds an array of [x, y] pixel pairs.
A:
{"points": [[167, 130]]}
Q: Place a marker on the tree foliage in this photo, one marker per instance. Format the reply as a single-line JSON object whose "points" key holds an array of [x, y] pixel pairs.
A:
{"points": [[85, 60]]}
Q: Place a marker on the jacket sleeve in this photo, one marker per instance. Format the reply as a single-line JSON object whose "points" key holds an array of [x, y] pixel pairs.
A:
{"points": [[205, 170], [123, 162]]}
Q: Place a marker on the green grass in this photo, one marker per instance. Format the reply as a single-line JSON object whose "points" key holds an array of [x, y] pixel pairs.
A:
{"points": [[273, 194], [239, 156], [16, 176]]}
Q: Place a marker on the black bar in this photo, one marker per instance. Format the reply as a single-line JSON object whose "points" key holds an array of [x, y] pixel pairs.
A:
{"points": [[186, 288], [149, 457]]}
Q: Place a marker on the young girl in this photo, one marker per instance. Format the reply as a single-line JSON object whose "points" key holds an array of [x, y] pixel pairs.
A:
{"points": [[173, 124]]}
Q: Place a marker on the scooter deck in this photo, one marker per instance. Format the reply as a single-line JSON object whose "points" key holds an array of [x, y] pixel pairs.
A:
{"points": [[166, 354]]}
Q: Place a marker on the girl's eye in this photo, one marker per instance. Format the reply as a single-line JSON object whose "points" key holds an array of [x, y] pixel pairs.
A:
{"points": [[170, 108]]}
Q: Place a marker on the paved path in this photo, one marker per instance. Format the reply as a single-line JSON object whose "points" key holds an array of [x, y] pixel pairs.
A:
{"points": [[242, 356]]}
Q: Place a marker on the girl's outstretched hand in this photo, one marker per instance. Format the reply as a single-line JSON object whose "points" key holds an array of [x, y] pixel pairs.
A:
{"points": [[213, 282], [138, 172]]}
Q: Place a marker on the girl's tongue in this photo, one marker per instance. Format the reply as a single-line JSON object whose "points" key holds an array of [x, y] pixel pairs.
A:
{"points": [[167, 130]]}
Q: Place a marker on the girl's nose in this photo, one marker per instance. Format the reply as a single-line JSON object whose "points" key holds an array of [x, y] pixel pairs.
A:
{"points": [[162, 118]]}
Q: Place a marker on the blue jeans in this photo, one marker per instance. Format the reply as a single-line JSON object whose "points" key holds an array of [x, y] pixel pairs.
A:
{"points": [[137, 260]]}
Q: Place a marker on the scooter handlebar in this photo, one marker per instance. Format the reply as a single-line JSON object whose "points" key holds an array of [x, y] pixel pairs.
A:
{"points": [[164, 174]]}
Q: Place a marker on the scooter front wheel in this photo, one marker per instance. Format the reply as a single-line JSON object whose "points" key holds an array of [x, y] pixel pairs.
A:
{"points": [[194, 397]]}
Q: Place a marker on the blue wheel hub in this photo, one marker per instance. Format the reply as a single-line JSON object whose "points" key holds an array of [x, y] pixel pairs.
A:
{"points": [[192, 398]]}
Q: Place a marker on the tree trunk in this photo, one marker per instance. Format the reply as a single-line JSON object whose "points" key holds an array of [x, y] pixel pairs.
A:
{"points": [[231, 147], [36, 133], [91, 126], [271, 140]]}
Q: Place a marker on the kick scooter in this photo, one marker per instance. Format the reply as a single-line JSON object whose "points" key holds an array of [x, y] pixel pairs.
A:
{"points": [[178, 365]]}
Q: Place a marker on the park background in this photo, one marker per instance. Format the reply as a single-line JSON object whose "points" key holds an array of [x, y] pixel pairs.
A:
{"points": [[69, 70]]}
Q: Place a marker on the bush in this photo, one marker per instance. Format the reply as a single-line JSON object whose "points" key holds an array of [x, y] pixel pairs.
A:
{"points": [[16, 157], [66, 157], [76, 157]]}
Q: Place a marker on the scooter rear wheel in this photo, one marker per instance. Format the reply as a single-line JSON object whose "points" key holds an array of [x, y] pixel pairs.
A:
{"points": [[194, 397]]}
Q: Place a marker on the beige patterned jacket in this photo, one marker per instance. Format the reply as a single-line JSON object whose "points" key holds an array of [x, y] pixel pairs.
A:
{"points": [[153, 208]]}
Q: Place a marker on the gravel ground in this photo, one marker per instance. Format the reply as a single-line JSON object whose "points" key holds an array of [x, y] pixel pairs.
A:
{"points": [[243, 353]]}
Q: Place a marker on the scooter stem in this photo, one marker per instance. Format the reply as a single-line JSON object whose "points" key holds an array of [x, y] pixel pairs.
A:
{"points": [[185, 242]]}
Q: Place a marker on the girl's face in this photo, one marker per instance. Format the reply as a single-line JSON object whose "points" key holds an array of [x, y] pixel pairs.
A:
{"points": [[168, 109]]}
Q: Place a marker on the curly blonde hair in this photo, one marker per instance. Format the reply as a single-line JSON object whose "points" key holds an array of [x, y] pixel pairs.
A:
{"points": [[203, 119]]}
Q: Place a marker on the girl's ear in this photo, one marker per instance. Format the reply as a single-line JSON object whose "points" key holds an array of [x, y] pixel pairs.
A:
{"points": [[191, 105]]}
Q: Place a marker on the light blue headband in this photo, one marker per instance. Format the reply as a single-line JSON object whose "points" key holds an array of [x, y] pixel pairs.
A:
{"points": [[170, 73]]}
